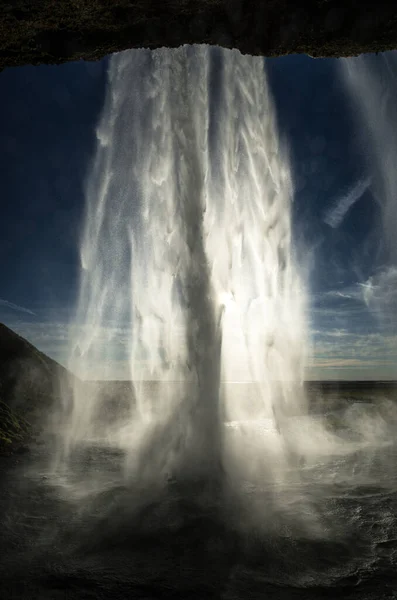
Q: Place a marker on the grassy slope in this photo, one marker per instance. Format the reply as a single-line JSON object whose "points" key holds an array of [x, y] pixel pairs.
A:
{"points": [[14, 429], [52, 31], [29, 385]]}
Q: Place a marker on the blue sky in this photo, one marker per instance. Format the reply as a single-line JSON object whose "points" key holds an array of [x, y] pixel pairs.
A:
{"points": [[48, 116]]}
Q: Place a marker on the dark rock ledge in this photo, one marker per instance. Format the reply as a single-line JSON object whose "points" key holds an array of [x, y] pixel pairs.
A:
{"points": [[56, 31]]}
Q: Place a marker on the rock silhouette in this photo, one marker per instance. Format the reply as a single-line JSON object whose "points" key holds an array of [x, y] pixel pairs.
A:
{"points": [[48, 32]]}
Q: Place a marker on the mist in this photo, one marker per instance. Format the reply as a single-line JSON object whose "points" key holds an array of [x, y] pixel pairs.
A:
{"points": [[187, 244], [211, 467]]}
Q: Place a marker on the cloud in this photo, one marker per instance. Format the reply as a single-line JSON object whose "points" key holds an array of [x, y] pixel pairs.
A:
{"points": [[348, 362], [347, 333], [380, 293], [16, 307], [338, 333], [337, 351], [372, 350], [337, 213], [341, 314], [349, 294]]}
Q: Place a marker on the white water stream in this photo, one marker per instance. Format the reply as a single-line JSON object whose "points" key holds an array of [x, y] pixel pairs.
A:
{"points": [[188, 273]]}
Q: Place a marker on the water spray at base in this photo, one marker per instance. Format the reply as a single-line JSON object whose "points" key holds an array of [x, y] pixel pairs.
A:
{"points": [[191, 293], [188, 276]]}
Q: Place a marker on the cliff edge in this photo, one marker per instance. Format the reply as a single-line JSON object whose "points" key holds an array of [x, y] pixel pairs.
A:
{"points": [[48, 31]]}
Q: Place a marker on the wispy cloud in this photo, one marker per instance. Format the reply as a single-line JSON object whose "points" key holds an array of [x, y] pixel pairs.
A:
{"points": [[337, 213], [349, 293], [380, 293], [347, 337], [337, 351], [16, 307], [349, 349], [338, 333]]}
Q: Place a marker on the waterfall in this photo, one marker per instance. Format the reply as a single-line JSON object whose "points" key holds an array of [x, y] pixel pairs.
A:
{"points": [[189, 286], [371, 83]]}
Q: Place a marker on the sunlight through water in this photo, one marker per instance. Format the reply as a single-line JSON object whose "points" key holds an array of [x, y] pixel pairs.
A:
{"points": [[189, 280]]}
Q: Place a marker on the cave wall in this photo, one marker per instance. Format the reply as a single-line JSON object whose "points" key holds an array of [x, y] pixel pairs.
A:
{"points": [[56, 31]]}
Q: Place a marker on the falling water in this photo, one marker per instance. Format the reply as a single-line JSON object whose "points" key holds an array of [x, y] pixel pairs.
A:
{"points": [[371, 82], [188, 277]]}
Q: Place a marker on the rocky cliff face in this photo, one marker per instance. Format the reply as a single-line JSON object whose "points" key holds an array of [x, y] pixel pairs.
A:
{"points": [[49, 31]]}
